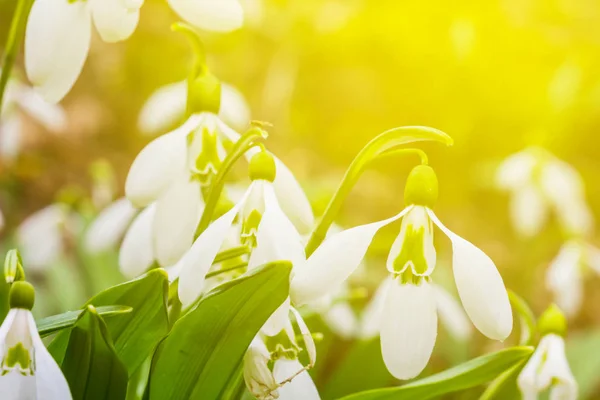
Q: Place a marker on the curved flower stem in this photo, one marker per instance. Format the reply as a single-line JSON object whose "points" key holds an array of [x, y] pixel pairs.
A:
{"points": [[231, 253], [245, 143], [13, 41], [528, 325], [385, 144]]}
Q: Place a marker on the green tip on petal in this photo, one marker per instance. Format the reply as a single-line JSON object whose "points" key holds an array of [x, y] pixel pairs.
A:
{"points": [[262, 166], [421, 187], [13, 266], [22, 295], [552, 321]]}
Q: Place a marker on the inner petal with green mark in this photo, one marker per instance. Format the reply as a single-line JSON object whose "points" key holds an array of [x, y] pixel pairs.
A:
{"points": [[413, 249], [19, 358]]}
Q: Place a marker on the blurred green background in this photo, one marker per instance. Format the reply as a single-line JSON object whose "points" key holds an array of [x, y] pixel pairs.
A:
{"points": [[330, 75]]}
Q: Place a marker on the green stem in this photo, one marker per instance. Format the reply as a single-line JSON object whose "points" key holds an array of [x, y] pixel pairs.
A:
{"points": [[528, 325], [245, 143], [385, 143], [15, 35], [231, 253], [399, 152], [228, 269]]}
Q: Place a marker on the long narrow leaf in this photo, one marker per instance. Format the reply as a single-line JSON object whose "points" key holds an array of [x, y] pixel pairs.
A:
{"points": [[49, 325]]}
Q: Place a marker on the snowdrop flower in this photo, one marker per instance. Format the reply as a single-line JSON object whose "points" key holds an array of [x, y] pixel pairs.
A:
{"points": [[539, 183], [40, 237], [565, 275], [19, 97], [136, 254], [288, 379], [58, 33], [548, 366], [166, 107], [451, 314], [28, 369], [409, 326], [109, 226]]}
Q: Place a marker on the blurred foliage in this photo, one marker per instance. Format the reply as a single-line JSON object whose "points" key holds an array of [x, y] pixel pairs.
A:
{"points": [[330, 75]]}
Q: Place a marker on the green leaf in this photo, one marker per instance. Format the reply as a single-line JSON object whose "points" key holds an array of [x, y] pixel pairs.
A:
{"points": [[472, 373], [49, 325], [137, 333], [582, 353], [91, 365], [202, 353], [505, 385]]}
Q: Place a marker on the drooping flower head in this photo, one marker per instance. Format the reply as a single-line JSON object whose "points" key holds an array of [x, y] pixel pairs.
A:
{"points": [[27, 370], [548, 366]]}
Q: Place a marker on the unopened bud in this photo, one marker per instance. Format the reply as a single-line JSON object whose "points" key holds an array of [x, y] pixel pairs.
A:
{"points": [[13, 266]]}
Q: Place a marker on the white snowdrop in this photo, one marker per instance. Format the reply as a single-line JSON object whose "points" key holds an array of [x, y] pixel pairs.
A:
{"points": [[109, 226], [58, 33], [567, 271], [540, 183], [28, 371]]}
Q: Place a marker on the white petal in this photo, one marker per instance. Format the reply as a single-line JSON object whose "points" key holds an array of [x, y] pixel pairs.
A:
{"points": [[234, 108], [276, 237], [158, 164], [292, 198], [178, 211], [52, 116], [309, 342], [480, 286], [211, 15], [341, 319], [451, 314], [422, 259], [136, 255], [57, 41], [10, 135], [40, 236], [259, 379], [198, 260], [14, 386], [516, 171], [561, 182], [528, 211], [528, 380], [592, 257], [301, 387], [49, 379], [109, 226], [575, 217], [334, 260], [278, 320], [114, 20], [164, 108], [563, 278], [370, 324], [555, 370], [408, 329]]}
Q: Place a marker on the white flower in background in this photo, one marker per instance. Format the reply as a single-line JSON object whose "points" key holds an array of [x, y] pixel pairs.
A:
{"points": [[539, 183], [288, 379], [21, 99], [337, 313], [109, 226], [451, 314], [409, 326], [41, 236], [548, 366], [565, 275], [28, 371], [57, 39], [166, 107]]}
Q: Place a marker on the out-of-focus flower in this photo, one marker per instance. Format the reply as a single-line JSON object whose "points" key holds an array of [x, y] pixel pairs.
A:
{"points": [[451, 314], [166, 107], [409, 323], [539, 182], [28, 369], [567, 271], [58, 34], [548, 366], [109, 226], [41, 236], [20, 98]]}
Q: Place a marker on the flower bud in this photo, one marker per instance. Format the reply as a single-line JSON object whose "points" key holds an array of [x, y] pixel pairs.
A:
{"points": [[262, 166], [13, 266], [421, 187], [22, 295], [204, 94], [552, 321], [257, 375]]}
